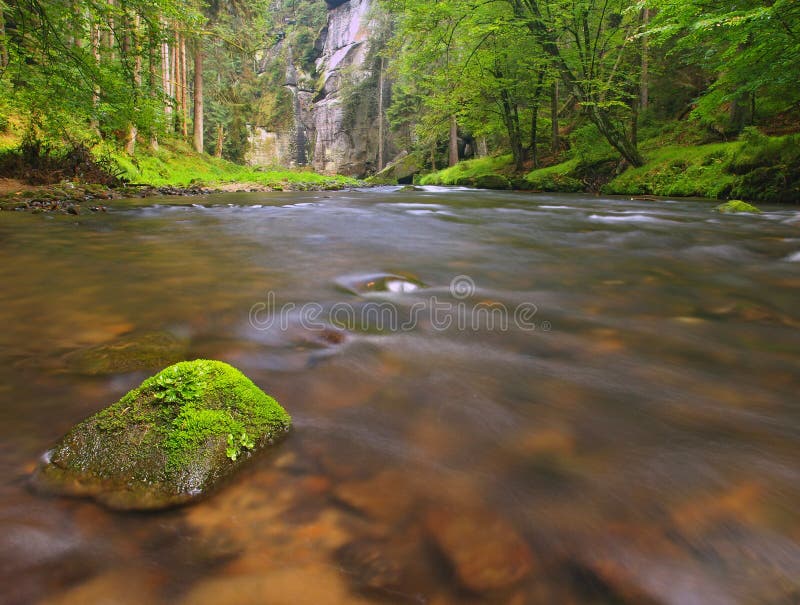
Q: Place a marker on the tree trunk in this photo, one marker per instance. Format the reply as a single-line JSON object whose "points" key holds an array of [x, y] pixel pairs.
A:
{"points": [[77, 26], [130, 45], [453, 157], [184, 92], [166, 80], [510, 116], [3, 45], [198, 96], [554, 137], [94, 41], [111, 40], [535, 135], [137, 83], [644, 96], [154, 63], [380, 115], [737, 113], [176, 82], [617, 137], [220, 139], [537, 95]]}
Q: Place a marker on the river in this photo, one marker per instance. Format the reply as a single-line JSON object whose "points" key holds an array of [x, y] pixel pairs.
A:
{"points": [[497, 398]]}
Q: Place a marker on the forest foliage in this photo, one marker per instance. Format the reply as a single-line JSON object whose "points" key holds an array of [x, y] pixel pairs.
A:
{"points": [[136, 71], [533, 78], [527, 74]]}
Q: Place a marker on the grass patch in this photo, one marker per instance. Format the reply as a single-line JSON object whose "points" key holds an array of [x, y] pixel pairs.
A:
{"points": [[176, 164]]}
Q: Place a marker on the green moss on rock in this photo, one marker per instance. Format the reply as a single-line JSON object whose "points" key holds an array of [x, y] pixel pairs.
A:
{"points": [[735, 206], [168, 441], [492, 181]]}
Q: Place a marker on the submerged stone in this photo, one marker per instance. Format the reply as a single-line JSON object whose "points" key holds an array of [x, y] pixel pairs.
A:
{"points": [[167, 442], [380, 282], [485, 552], [148, 351]]}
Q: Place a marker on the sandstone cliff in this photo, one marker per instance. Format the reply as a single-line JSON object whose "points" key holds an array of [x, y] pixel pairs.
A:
{"points": [[335, 126], [345, 109]]}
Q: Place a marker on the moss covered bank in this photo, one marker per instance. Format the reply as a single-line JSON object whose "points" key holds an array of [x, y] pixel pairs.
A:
{"points": [[756, 168]]}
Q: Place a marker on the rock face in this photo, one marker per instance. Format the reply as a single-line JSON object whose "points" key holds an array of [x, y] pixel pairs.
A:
{"points": [[345, 112], [330, 118], [168, 441], [287, 143], [266, 148]]}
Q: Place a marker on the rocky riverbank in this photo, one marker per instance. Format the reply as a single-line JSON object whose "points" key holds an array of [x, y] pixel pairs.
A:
{"points": [[79, 198]]}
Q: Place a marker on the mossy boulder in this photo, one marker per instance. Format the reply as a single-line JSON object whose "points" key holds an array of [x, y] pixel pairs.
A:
{"points": [[492, 181], [169, 441], [401, 170], [735, 206]]}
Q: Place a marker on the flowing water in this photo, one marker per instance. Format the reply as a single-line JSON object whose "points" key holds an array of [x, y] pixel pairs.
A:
{"points": [[497, 397]]}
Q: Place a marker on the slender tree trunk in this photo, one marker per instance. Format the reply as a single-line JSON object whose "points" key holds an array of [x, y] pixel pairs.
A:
{"points": [[3, 45], [176, 80], [535, 135], [76, 39], [154, 63], [510, 115], [737, 113], [111, 37], [132, 43], [220, 139], [94, 41], [184, 92], [433, 156], [166, 80], [555, 144], [125, 52], [537, 95], [380, 115], [453, 157], [644, 100], [198, 96]]}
